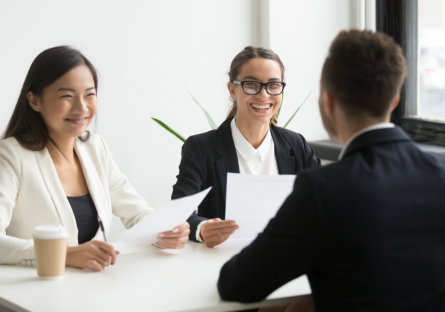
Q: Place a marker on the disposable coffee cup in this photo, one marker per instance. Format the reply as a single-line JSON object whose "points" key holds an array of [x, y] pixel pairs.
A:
{"points": [[50, 243]]}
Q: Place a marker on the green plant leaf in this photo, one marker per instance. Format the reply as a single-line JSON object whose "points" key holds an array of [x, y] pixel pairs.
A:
{"points": [[298, 109], [279, 110], [209, 119], [169, 129]]}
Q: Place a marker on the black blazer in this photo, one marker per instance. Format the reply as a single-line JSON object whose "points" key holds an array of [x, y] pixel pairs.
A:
{"points": [[369, 232], [208, 157]]}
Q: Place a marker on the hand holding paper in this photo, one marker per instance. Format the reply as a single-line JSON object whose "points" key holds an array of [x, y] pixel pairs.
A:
{"points": [[164, 218], [216, 231], [252, 200], [175, 239]]}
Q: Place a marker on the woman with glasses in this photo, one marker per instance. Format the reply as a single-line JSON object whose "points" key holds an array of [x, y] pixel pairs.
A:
{"points": [[54, 172], [248, 142]]}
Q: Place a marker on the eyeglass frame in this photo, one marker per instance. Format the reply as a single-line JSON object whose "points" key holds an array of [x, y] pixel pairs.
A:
{"points": [[241, 83]]}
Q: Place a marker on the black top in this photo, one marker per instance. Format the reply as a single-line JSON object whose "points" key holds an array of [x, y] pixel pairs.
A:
{"points": [[369, 232], [208, 157], [86, 217]]}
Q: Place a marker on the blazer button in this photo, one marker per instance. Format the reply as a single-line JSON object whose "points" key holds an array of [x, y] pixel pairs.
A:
{"points": [[28, 262], [23, 262], [33, 262]]}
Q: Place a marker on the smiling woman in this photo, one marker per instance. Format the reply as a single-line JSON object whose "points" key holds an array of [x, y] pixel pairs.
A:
{"points": [[70, 104], [27, 124], [248, 142], [54, 172], [258, 62]]}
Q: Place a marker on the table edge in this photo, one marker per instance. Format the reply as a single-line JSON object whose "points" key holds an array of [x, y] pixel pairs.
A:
{"points": [[238, 306], [8, 306]]}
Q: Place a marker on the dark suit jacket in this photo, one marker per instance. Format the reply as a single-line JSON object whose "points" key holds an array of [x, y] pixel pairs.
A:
{"points": [[369, 232], [208, 157]]}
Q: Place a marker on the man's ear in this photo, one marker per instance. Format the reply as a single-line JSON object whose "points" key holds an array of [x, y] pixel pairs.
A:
{"points": [[231, 88], [394, 103], [329, 104], [34, 101]]}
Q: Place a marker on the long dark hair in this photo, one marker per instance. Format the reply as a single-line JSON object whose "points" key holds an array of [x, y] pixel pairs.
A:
{"points": [[26, 125], [240, 59]]}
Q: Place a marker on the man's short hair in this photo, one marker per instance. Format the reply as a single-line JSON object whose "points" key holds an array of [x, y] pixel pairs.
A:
{"points": [[364, 71]]}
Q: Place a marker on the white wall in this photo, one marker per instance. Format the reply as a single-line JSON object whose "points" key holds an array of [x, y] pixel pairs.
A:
{"points": [[147, 51], [301, 32]]}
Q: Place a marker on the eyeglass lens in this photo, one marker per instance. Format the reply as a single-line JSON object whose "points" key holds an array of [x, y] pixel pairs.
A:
{"points": [[254, 87]]}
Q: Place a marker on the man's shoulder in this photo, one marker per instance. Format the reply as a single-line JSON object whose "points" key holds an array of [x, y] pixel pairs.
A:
{"points": [[437, 158], [378, 161]]}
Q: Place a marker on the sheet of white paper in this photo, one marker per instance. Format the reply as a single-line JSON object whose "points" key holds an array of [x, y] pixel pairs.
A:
{"points": [[163, 219], [252, 200]]}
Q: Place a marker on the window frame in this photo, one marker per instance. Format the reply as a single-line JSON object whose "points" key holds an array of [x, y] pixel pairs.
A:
{"points": [[399, 19]]}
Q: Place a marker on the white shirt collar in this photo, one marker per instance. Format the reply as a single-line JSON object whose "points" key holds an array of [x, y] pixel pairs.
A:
{"points": [[246, 150], [382, 125]]}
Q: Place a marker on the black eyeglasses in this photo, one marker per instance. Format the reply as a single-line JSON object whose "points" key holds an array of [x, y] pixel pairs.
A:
{"points": [[254, 87]]}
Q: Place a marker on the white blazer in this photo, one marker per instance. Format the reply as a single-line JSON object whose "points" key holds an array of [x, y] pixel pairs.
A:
{"points": [[31, 194]]}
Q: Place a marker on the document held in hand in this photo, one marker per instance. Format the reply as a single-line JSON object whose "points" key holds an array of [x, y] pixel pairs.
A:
{"points": [[252, 200], [163, 219]]}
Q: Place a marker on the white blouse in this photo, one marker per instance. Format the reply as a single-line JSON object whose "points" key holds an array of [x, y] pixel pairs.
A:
{"points": [[250, 160], [254, 161]]}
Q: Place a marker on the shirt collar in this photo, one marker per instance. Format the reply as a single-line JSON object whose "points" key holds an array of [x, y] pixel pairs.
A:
{"points": [[383, 125], [246, 150]]}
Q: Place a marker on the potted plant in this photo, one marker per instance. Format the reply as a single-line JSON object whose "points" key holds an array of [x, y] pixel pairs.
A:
{"points": [[213, 124]]}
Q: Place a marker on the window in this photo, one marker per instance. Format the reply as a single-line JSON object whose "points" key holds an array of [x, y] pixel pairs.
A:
{"points": [[431, 65], [419, 27]]}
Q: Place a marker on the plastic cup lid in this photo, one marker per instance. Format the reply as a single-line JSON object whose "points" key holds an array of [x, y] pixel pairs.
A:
{"points": [[50, 232]]}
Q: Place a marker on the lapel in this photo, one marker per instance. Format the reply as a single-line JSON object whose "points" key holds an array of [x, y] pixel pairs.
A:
{"points": [[226, 149], [376, 137], [55, 190], [93, 182], [285, 162]]}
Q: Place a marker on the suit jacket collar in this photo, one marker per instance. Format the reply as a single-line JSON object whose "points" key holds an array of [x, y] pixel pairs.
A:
{"points": [[375, 137], [383, 125], [55, 189], [285, 162], [229, 161], [93, 181], [226, 149]]}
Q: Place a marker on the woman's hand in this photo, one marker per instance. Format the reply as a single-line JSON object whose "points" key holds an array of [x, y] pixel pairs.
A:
{"points": [[175, 239], [215, 231], [94, 254]]}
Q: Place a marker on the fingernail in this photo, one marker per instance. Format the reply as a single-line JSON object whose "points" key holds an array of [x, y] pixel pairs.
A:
{"points": [[160, 240], [161, 235], [175, 230]]}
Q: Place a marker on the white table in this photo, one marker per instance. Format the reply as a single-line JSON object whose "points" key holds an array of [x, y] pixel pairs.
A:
{"points": [[145, 278]]}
